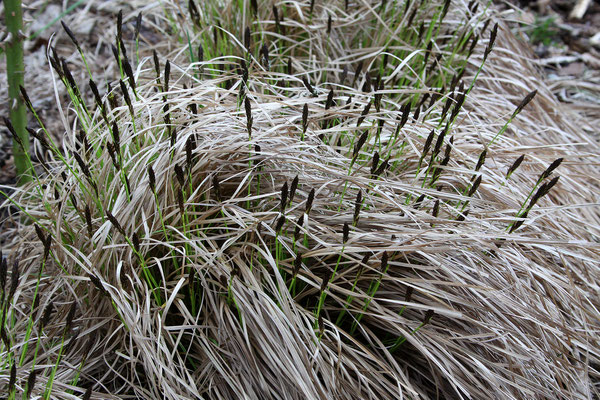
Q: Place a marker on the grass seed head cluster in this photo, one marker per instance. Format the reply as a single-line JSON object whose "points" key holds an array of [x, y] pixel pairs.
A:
{"points": [[301, 200]]}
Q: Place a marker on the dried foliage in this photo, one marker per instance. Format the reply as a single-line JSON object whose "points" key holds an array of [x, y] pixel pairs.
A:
{"points": [[239, 225]]}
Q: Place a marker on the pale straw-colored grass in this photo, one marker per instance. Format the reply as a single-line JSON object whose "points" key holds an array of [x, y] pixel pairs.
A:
{"points": [[515, 314]]}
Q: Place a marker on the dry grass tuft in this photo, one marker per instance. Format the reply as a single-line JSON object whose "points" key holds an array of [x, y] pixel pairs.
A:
{"points": [[239, 225]]}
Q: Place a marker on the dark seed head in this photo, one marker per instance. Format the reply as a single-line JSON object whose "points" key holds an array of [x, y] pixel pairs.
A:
{"points": [[436, 208], [481, 160], [427, 144], [405, 115], [345, 232], [463, 216], [474, 42], [217, 188], [96, 282], [30, 383], [555, 164], [384, 262], [515, 165], [180, 175], [518, 224], [439, 142], [180, 201], [363, 114], [357, 71], [151, 178], [297, 264], [69, 76], [525, 101], [156, 64], [12, 131], [26, 97], [382, 167], [304, 117], [189, 147], [329, 101], [475, 186], [417, 113], [309, 201], [297, 227], [120, 25], [248, 108], [374, 162], [115, 222], [13, 373], [3, 272], [363, 263], [200, 53], [138, 26], [542, 191], [247, 38], [490, 45], [88, 220], [4, 337], [276, 14], [280, 223], [419, 201], [88, 394], [309, 86], [284, 196], [40, 233], [357, 207], [293, 188], [167, 76], [408, 295], [126, 96], [82, 165], [538, 194], [129, 73], [359, 144], [324, 283], [448, 150], [47, 314], [551, 184]]}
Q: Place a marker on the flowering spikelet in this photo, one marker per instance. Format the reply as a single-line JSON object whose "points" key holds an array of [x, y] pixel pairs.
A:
{"points": [[293, 188], [309, 201], [345, 232], [555, 164], [515, 165], [284, 196], [30, 383], [357, 207], [525, 101]]}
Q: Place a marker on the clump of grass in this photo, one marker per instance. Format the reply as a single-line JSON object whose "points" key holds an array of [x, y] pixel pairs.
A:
{"points": [[263, 227]]}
